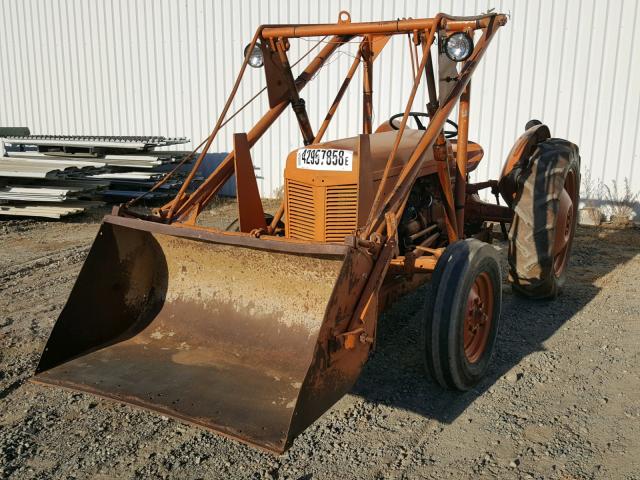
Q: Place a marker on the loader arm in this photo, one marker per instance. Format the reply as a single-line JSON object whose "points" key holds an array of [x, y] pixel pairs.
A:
{"points": [[391, 206]]}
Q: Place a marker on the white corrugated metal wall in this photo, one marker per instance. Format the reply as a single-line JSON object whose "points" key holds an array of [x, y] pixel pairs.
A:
{"points": [[128, 67]]}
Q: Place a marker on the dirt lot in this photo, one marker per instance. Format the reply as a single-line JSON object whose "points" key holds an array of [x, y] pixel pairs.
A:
{"points": [[562, 399]]}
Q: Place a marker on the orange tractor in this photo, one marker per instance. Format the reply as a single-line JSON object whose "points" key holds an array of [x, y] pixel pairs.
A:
{"points": [[255, 333]]}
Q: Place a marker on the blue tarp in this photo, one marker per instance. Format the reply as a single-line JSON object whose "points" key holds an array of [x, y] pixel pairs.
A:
{"points": [[209, 164]]}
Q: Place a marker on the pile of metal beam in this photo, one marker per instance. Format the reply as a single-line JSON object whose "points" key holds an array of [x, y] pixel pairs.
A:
{"points": [[126, 161], [50, 168], [36, 193], [88, 143], [55, 176], [45, 211]]}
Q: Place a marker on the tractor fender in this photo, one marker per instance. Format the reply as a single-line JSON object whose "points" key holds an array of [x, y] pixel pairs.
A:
{"points": [[519, 155]]}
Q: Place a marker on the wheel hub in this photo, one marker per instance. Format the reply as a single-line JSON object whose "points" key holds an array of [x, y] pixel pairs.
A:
{"points": [[478, 317], [565, 225]]}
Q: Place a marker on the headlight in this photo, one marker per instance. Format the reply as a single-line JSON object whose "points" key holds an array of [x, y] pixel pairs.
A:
{"points": [[458, 47], [256, 60]]}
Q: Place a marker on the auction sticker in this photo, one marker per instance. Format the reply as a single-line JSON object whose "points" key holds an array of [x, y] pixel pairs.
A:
{"points": [[325, 159]]}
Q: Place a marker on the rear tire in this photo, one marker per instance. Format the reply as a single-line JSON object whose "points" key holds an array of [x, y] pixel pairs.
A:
{"points": [[462, 314], [544, 223]]}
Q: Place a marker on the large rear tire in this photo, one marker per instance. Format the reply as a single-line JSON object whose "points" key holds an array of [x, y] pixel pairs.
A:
{"points": [[462, 314], [544, 223]]}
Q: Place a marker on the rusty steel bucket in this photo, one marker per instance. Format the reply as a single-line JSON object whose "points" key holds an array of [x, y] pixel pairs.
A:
{"points": [[232, 333]]}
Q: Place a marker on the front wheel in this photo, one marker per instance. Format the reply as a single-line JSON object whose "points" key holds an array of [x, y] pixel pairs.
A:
{"points": [[462, 314]]}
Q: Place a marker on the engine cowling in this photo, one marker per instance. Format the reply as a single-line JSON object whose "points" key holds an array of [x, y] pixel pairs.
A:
{"points": [[330, 187]]}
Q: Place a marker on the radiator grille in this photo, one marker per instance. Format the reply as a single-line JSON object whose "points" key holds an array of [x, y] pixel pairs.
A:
{"points": [[301, 218], [341, 212]]}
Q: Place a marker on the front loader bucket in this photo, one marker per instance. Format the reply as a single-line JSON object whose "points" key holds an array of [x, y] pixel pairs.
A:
{"points": [[234, 337]]}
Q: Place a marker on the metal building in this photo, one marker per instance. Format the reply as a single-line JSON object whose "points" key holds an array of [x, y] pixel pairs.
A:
{"points": [[164, 67]]}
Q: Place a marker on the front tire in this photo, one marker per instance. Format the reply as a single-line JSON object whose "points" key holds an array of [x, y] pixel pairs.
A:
{"points": [[462, 314]]}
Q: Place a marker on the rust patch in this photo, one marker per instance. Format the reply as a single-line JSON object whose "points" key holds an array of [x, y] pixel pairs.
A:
{"points": [[221, 336], [292, 289]]}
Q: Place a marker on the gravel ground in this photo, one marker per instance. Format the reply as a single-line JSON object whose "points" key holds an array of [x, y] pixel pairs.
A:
{"points": [[562, 399]]}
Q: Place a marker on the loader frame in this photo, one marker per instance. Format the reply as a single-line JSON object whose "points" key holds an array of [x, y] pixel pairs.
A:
{"points": [[379, 236], [253, 334]]}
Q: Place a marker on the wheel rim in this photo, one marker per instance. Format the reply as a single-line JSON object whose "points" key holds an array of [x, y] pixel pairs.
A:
{"points": [[565, 224], [478, 317]]}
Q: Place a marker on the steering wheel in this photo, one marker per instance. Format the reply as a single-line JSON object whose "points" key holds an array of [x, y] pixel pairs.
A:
{"points": [[416, 116]]}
